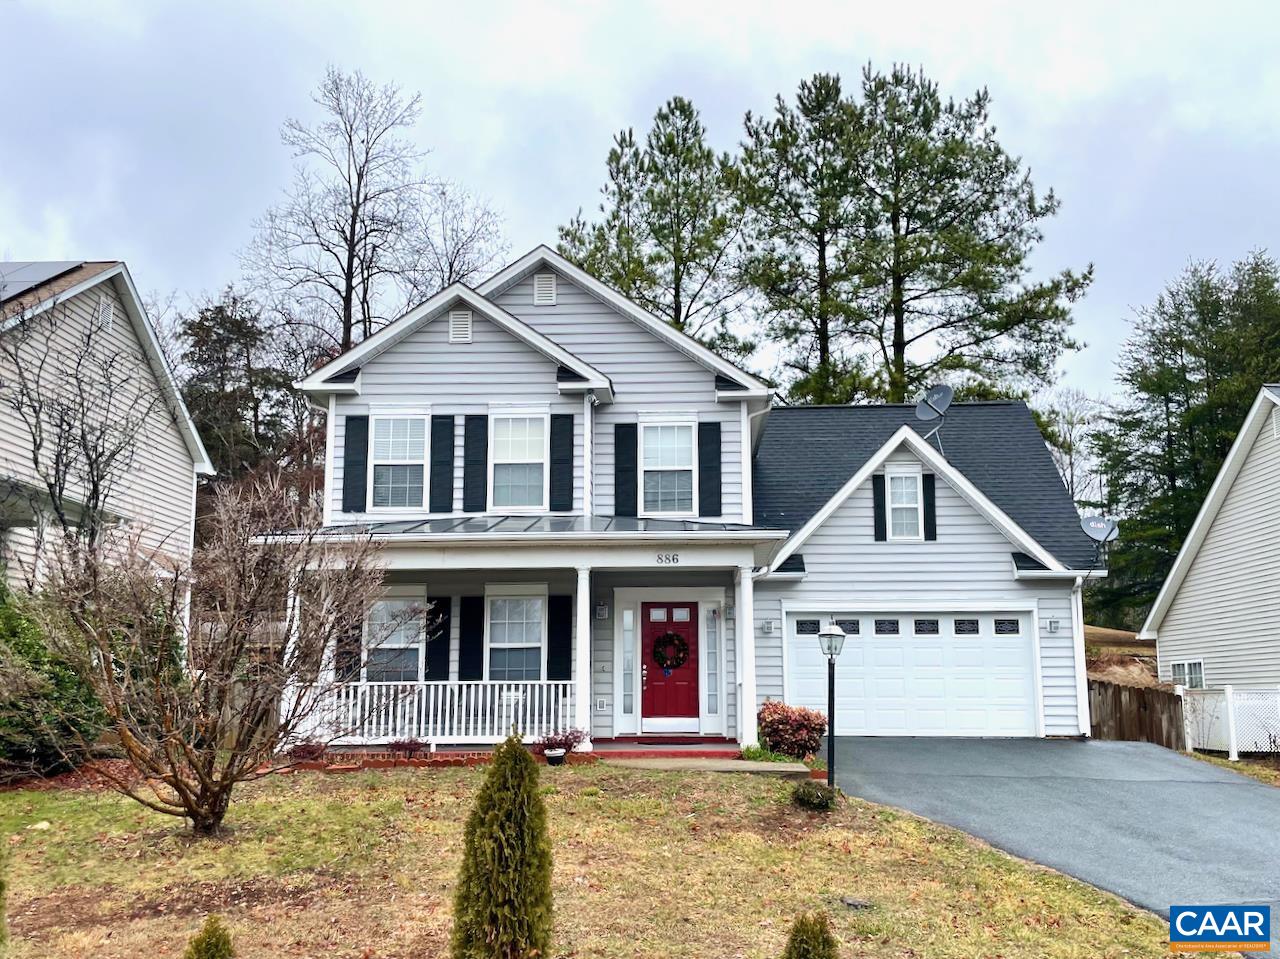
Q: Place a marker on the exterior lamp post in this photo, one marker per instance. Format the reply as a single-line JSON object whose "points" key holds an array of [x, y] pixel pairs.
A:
{"points": [[831, 641]]}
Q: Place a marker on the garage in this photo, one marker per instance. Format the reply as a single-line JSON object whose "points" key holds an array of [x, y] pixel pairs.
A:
{"points": [[920, 674]]}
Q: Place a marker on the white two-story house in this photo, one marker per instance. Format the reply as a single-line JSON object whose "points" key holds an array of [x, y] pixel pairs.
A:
{"points": [[613, 530]]}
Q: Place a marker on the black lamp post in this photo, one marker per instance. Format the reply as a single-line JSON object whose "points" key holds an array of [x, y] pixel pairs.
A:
{"points": [[831, 639]]}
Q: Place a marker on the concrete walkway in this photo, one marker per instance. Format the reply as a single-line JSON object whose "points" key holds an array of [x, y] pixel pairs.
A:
{"points": [[1153, 826], [672, 764]]}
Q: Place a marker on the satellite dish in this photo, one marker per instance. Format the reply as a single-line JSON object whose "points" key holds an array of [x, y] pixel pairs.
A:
{"points": [[1100, 529], [935, 402]]}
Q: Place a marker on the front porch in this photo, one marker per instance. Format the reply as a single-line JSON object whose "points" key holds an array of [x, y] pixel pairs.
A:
{"points": [[463, 657]]}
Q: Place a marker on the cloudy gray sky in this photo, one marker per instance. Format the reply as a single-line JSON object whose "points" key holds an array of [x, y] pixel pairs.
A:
{"points": [[150, 132]]}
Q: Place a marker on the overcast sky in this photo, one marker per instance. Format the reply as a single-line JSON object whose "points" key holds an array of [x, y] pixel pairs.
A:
{"points": [[150, 133]]}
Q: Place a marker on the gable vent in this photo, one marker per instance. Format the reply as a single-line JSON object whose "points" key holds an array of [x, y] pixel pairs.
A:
{"points": [[105, 314], [459, 326], [544, 289], [1275, 423]]}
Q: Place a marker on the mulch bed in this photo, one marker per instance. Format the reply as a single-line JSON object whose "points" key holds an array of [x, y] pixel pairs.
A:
{"points": [[83, 777]]}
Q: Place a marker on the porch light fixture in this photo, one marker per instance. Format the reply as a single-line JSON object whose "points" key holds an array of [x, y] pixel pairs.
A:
{"points": [[831, 642]]}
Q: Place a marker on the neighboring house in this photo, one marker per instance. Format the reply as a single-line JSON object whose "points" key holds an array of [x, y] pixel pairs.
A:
{"points": [[1216, 620], [618, 533], [84, 321]]}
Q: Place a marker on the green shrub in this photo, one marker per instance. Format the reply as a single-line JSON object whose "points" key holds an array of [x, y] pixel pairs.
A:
{"points": [[811, 938], [502, 909], [812, 794], [213, 941], [47, 714], [758, 754]]}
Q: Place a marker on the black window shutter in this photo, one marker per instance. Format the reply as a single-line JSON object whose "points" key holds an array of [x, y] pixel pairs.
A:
{"points": [[355, 464], [442, 464], [346, 655], [624, 469], [709, 502], [930, 507], [561, 462], [559, 637], [475, 464], [438, 640], [877, 496], [471, 637]]}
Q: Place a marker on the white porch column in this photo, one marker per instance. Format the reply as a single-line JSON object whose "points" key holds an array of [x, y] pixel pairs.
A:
{"points": [[582, 656], [744, 633]]}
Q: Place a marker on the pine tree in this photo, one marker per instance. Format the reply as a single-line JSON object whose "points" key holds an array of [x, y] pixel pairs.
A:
{"points": [[502, 908], [811, 938], [213, 941], [668, 237], [796, 185]]}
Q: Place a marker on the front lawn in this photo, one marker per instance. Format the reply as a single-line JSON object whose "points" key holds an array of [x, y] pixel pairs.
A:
{"points": [[646, 864], [1265, 769]]}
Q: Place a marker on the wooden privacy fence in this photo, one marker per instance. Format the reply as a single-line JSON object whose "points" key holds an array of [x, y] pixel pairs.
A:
{"points": [[1136, 714]]}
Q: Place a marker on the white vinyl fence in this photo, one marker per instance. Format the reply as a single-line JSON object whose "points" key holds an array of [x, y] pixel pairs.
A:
{"points": [[1232, 719]]}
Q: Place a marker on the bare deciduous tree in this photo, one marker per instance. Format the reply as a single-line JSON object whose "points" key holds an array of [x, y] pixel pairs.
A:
{"points": [[199, 710], [1070, 417], [455, 238], [77, 393]]}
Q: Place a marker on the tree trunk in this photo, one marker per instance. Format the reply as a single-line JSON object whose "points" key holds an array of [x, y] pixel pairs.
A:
{"points": [[823, 392], [898, 372]]}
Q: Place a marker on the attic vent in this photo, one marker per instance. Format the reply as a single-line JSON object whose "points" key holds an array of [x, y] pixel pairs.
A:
{"points": [[105, 314], [544, 289], [459, 326], [1275, 423]]}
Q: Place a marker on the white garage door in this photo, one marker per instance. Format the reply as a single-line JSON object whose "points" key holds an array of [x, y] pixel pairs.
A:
{"points": [[919, 674]]}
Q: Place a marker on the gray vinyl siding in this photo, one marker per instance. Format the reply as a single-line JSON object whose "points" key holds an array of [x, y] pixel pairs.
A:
{"points": [[455, 379], [156, 491], [968, 563], [1227, 610], [648, 375]]}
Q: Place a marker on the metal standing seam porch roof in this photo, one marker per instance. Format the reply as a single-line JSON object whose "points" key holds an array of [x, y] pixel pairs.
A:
{"points": [[482, 525]]}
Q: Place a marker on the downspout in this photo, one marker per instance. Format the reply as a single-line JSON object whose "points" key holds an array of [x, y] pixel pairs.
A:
{"points": [[1082, 669]]}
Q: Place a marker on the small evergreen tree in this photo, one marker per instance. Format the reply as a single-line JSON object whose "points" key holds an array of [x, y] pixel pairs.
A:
{"points": [[811, 938], [213, 941], [502, 909]]}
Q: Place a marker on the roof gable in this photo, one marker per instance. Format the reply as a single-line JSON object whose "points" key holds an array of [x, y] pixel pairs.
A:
{"points": [[807, 456], [729, 377], [63, 284], [339, 371], [1267, 401]]}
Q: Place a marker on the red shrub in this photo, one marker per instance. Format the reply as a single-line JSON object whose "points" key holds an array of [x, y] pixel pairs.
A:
{"points": [[790, 730]]}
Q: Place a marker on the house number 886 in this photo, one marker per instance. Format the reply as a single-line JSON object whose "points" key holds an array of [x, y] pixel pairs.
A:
{"points": [[668, 559]]}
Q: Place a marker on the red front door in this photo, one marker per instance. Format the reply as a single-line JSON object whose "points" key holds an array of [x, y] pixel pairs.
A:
{"points": [[670, 662]]}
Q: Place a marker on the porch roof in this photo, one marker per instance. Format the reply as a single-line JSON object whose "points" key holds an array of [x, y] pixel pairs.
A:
{"points": [[485, 525]]}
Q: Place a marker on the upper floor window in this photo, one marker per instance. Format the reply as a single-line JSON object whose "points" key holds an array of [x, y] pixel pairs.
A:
{"points": [[667, 464], [398, 463], [519, 452], [906, 505]]}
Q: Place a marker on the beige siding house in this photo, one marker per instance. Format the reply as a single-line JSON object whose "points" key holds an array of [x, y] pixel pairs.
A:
{"points": [[1216, 621], [74, 338]]}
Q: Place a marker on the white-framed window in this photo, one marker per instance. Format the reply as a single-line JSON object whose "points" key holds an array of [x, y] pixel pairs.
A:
{"points": [[519, 451], [668, 469], [515, 629], [905, 503], [1189, 673], [393, 652], [398, 462]]}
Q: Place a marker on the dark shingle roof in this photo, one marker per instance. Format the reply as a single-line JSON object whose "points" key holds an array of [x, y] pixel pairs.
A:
{"points": [[808, 452]]}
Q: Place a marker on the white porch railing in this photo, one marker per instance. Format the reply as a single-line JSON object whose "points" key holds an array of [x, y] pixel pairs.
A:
{"points": [[440, 712], [1232, 719]]}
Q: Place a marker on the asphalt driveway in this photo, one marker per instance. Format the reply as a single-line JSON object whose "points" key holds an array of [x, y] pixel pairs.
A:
{"points": [[1148, 824]]}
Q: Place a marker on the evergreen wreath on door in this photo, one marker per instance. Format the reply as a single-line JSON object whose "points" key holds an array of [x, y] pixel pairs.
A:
{"points": [[670, 652]]}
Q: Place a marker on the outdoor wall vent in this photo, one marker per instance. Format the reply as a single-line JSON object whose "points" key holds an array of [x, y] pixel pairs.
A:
{"points": [[460, 326], [544, 289], [105, 314], [1275, 423]]}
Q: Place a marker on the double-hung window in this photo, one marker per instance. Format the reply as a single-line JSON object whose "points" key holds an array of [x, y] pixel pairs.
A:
{"points": [[394, 651], [1189, 674], [517, 635], [519, 449], [906, 504], [667, 464], [398, 462]]}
